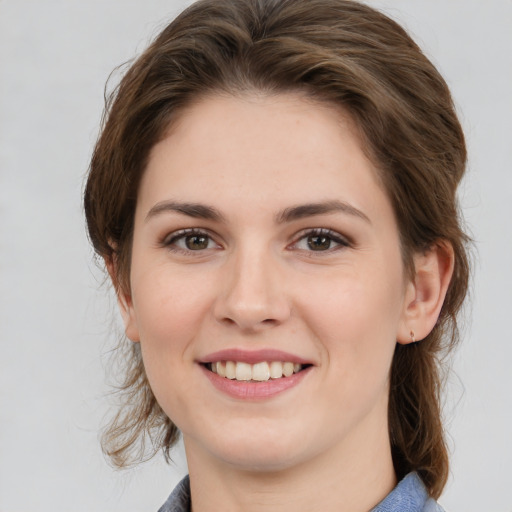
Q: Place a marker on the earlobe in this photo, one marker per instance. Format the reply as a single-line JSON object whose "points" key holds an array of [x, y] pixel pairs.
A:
{"points": [[124, 302], [128, 315], [425, 294]]}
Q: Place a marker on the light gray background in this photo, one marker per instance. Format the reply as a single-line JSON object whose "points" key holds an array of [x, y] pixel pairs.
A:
{"points": [[55, 327]]}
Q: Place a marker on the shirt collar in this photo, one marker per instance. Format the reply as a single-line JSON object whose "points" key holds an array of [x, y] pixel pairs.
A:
{"points": [[410, 494]]}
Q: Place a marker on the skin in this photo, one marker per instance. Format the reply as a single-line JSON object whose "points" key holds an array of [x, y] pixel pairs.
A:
{"points": [[255, 282]]}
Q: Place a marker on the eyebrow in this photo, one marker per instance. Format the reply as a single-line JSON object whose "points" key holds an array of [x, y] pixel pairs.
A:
{"points": [[322, 208], [202, 211], [195, 210]]}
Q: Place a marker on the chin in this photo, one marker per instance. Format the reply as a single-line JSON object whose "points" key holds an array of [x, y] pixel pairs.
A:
{"points": [[254, 451], [259, 460]]}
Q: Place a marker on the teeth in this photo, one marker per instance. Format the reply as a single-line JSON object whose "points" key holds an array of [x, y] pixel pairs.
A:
{"points": [[221, 369], [287, 369], [260, 372], [230, 370], [276, 369], [243, 371]]}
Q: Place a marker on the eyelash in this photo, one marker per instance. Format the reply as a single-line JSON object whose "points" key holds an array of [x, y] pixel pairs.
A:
{"points": [[333, 236], [170, 241]]}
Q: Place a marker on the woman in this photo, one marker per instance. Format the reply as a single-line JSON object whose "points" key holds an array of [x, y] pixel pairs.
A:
{"points": [[274, 196]]}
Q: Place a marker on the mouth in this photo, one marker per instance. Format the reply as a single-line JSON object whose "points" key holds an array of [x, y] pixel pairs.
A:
{"points": [[258, 372]]}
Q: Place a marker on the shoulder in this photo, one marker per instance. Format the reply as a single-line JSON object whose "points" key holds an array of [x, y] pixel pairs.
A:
{"points": [[179, 500], [432, 506], [410, 494]]}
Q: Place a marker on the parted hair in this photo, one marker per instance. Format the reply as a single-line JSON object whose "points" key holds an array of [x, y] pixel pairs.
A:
{"points": [[340, 52]]}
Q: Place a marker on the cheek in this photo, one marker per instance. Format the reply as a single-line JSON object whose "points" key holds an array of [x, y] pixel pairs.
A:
{"points": [[355, 331], [355, 320], [168, 304], [169, 308]]}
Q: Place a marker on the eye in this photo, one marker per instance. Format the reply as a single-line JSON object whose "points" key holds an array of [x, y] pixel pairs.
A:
{"points": [[320, 240], [188, 240]]}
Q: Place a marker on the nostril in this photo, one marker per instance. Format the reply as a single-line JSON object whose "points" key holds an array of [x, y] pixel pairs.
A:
{"points": [[228, 321], [248, 325]]}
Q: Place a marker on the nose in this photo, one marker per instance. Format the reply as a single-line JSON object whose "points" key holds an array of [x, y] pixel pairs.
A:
{"points": [[252, 295]]}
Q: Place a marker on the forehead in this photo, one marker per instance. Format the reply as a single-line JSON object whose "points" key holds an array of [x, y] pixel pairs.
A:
{"points": [[273, 149]]}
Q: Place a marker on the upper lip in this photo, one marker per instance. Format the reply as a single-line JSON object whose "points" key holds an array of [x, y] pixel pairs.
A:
{"points": [[252, 356]]}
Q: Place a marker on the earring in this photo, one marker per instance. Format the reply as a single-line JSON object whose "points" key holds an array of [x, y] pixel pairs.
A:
{"points": [[413, 337]]}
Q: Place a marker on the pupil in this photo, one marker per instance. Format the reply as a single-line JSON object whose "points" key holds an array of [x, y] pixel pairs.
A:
{"points": [[196, 242], [319, 243]]}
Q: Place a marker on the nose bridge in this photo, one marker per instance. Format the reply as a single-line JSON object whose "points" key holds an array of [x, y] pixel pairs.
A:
{"points": [[253, 294]]}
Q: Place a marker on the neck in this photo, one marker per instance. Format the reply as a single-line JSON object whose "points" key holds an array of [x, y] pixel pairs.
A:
{"points": [[340, 480]]}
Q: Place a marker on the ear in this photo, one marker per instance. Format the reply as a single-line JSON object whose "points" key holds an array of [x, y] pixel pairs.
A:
{"points": [[124, 301], [425, 294]]}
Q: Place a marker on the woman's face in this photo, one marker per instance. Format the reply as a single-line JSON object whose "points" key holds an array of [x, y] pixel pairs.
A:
{"points": [[263, 237]]}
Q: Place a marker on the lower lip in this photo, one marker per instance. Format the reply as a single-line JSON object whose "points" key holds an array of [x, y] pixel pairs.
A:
{"points": [[250, 390]]}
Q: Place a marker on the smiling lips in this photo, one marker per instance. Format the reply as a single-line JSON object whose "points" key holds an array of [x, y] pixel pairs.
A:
{"points": [[258, 372], [254, 374]]}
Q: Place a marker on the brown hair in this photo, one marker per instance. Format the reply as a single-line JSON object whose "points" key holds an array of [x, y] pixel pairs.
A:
{"points": [[336, 51]]}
